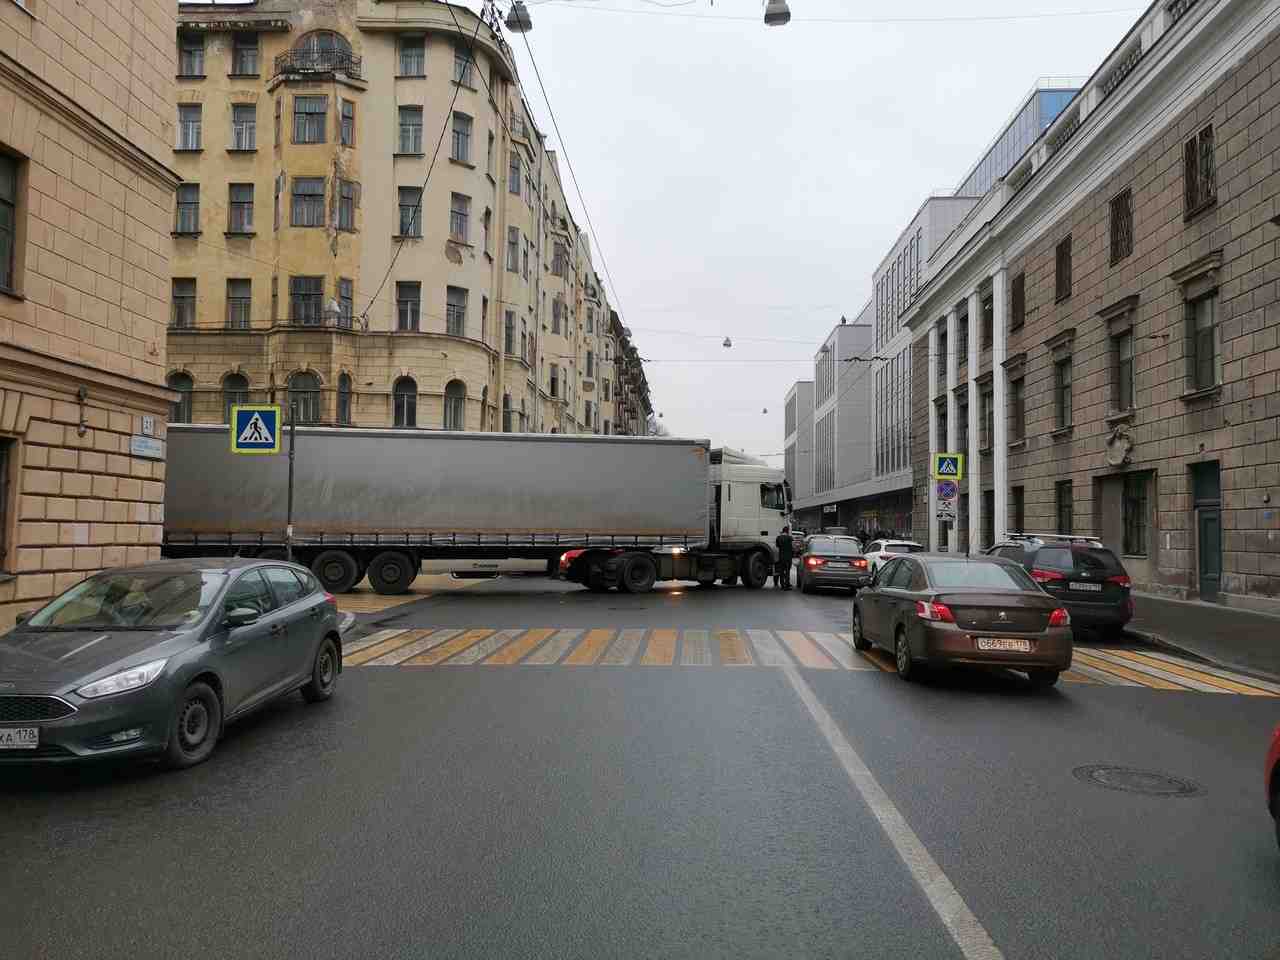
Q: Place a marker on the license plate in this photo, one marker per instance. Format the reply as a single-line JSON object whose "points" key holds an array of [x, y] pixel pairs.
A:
{"points": [[1004, 643], [837, 563], [1096, 587], [19, 738]]}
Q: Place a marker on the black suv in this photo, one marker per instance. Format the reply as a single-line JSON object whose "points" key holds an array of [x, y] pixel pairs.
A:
{"points": [[1086, 576]]}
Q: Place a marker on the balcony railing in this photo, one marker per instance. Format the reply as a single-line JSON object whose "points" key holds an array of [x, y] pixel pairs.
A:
{"points": [[319, 61]]}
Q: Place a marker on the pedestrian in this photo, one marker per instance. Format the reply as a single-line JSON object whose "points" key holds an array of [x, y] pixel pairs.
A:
{"points": [[782, 578]]}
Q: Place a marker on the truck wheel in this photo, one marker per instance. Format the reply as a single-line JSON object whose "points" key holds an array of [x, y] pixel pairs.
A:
{"points": [[392, 572], [638, 574], [755, 570], [337, 570]]}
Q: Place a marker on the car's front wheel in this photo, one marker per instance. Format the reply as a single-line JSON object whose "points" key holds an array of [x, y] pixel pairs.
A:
{"points": [[324, 673], [860, 641], [194, 728]]}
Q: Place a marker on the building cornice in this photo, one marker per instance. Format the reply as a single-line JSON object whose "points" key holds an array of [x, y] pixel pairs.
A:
{"points": [[34, 369]]}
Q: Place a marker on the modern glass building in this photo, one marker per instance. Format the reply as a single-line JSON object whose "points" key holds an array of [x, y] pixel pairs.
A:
{"points": [[1037, 111]]}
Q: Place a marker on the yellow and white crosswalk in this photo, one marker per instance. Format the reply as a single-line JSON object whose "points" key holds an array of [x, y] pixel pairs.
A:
{"points": [[663, 647]]}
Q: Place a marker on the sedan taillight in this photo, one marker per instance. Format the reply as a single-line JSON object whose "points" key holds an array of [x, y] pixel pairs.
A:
{"points": [[937, 612], [1120, 580], [860, 562], [814, 561], [1046, 576], [1060, 618]]}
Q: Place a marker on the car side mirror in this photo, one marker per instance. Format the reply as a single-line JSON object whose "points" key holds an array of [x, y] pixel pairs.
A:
{"points": [[241, 617], [22, 618]]}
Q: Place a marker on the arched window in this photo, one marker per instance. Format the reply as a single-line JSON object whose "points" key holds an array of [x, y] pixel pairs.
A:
{"points": [[180, 411], [235, 389], [320, 49], [405, 397], [455, 405], [344, 399], [304, 397], [506, 413]]}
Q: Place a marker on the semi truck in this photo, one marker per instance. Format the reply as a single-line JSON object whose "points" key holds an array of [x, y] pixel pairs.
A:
{"points": [[603, 511]]}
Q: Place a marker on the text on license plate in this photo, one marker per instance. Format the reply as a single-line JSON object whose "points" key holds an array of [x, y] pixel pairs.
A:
{"points": [[1085, 586], [1004, 643], [837, 563], [19, 738]]}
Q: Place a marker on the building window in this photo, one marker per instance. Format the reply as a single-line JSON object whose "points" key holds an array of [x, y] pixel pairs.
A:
{"points": [[344, 399], [347, 131], [278, 185], [506, 413], [1134, 509], [1200, 172], [606, 428], [8, 226], [235, 391], [940, 414], [348, 190], [524, 341], [962, 338], [410, 130], [555, 380], [455, 405], [1201, 342], [1122, 393], [187, 219], [1018, 301], [509, 332], [484, 323], [304, 397], [410, 204], [240, 208], [1121, 225], [559, 261], [988, 518], [460, 218], [1018, 509], [413, 56], [189, 125], [463, 68], [239, 303], [346, 302], [605, 390], [1017, 409], [962, 422], [308, 202], [191, 55], [408, 304], [988, 419], [455, 311], [244, 126], [591, 363], [487, 223], [1062, 506], [180, 409], [308, 119], [405, 397], [1062, 393], [524, 262], [244, 55], [988, 321], [1062, 270], [513, 174], [275, 299], [461, 138], [591, 320], [513, 249], [279, 102], [305, 300], [556, 308], [488, 161], [184, 302]]}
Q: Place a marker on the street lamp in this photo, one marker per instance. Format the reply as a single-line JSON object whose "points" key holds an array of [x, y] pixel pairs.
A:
{"points": [[727, 343], [777, 13], [519, 21]]}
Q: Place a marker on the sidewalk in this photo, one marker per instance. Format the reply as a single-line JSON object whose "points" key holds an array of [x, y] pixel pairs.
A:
{"points": [[1234, 638]]}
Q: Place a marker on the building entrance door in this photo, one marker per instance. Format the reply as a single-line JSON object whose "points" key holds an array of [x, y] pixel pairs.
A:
{"points": [[1206, 488]]}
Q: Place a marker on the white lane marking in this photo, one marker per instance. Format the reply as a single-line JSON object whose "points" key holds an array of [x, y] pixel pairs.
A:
{"points": [[551, 651], [369, 641], [484, 648], [697, 649], [1079, 666], [769, 652], [401, 654], [1214, 671], [841, 652], [624, 648], [969, 935], [1150, 671]]}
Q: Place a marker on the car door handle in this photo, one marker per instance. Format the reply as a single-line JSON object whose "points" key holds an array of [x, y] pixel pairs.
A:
{"points": [[277, 629]]}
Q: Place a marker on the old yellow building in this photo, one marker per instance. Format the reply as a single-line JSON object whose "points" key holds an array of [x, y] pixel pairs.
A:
{"points": [[311, 268], [86, 198]]}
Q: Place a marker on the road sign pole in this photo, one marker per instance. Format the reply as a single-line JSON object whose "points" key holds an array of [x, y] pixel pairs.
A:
{"points": [[288, 522]]}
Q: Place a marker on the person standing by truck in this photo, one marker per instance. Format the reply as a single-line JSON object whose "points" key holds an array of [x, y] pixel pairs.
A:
{"points": [[783, 576]]}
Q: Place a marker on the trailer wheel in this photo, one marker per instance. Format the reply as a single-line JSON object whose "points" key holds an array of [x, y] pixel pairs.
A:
{"points": [[392, 572], [755, 570], [639, 573], [337, 570]]}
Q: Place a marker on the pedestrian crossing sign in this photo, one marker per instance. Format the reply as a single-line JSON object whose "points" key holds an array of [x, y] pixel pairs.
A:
{"points": [[948, 466], [255, 429]]}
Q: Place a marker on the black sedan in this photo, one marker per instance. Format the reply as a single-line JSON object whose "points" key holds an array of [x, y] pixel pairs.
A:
{"points": [[157, 658], [930, 609], [832, 562]]}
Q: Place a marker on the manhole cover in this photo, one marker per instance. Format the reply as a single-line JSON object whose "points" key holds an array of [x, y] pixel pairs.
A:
{"points": [[1128, 779]]}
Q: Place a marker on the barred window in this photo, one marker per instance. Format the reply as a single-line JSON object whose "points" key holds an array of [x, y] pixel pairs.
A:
{"points": [[309, 119], [405, 395], [410, 130], [189, 126], [239, 303], [1200, 172], [1062, 270], [191, 55], [1201, 342], [306, 295], [244, 126], [410, 211], [308, 202], [187, 219], [463, 68], [1134, 511], [184, 302], [180, 410], [244, 55], [240, 208], [459, 217], [1121, 225], [304, 397], [455, 311], [455, 405], [461, 137], [408, 305], [8, 222]]}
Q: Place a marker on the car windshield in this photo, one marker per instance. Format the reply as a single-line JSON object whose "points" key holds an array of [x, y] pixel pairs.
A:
{"points": [[138, 600], [948, 574], [1080, 559], [835, 546]]}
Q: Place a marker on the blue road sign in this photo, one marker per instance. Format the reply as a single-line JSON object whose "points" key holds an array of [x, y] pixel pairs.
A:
{"points": [[255, 429]]}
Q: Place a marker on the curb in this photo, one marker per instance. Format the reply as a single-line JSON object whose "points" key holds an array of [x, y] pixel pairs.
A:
{"points": [[1171, 646]]}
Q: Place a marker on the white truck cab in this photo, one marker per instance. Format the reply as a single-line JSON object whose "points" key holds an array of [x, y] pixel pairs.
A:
{"points": [[751, 503]]}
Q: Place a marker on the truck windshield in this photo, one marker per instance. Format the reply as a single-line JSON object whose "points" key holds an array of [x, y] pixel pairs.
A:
{"points": [[772, 496]]}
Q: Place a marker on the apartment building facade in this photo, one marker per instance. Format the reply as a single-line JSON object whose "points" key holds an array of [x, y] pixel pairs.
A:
{"points": [[86, 192], [1119, 294], [312, 268], [797, 449]]}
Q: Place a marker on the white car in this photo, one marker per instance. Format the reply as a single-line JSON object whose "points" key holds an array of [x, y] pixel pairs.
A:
{"points": [[880, 552]]}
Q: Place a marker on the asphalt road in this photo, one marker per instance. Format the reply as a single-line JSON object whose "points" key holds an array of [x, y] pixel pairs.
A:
{"points": [[667, 811]]}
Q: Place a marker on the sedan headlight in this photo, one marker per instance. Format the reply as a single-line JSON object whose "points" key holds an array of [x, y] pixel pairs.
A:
{"points": [[131, 679]]}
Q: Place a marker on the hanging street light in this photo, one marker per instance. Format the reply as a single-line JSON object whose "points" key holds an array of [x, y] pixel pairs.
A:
{"points": [[777, 13], [727, 343], [519, 21]]}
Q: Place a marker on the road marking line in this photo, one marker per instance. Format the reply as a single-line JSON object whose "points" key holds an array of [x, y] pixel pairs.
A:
{"points": [[1235, 683], [513, 651], [485, 647], [446, 650], [733, 651], [661, 651], [623, 650], [1143, 679], [551, 652], [588, 652], [401, 654], [1071, 676], [804, 650], [1220, 672], [769, 652], [841, 651], [1172, 674], [846, 637], [969, 935], [1078, 666], [881, 659], [369, 641], [386, 646], [697, 649]]}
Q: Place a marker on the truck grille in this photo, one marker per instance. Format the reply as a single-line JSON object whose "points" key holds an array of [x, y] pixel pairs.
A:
{"points": [[26, 709]]}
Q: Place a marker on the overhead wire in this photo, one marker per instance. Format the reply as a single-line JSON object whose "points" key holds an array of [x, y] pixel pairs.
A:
{"points": [[855, 21]]}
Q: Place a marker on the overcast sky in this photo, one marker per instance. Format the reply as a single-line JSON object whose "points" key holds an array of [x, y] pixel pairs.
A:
{"points": [[745, 180]]}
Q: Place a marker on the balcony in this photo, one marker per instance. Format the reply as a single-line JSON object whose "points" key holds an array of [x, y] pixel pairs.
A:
{"points": [[319, 63]]}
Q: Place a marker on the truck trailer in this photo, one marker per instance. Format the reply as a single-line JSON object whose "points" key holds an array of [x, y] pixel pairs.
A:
{"points": [[603, 511]]}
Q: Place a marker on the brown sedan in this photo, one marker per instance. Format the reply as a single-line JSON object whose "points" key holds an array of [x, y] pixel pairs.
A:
{"points": [[940, 608]]}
